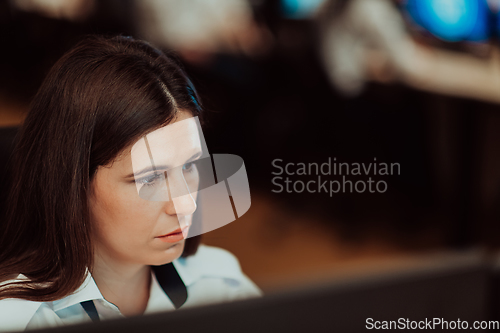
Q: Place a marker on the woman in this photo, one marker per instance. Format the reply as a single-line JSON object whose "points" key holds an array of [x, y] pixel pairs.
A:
{"points": [[80, 242]]}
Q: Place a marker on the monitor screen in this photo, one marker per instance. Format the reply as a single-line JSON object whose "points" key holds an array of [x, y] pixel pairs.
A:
{"points": [[452, 20]]}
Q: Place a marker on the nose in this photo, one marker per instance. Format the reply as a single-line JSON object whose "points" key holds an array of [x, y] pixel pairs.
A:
{"points": [[182, 201]]}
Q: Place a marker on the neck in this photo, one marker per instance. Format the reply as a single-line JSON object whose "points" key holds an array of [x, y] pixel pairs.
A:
{"points": [[123, 284]]}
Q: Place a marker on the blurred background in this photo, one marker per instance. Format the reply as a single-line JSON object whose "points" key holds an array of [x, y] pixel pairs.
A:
{"points": [[414, 82]]}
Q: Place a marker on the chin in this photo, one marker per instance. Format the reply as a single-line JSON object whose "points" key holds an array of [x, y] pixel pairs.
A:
{"points": [[169, 255]]}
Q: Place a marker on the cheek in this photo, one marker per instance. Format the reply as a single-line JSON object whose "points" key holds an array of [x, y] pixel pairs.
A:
{"points": [[124, 218]]}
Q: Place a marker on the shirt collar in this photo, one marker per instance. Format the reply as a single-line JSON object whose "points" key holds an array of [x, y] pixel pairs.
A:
{"points": [[88, 291], [207, 262], [158, 300]]}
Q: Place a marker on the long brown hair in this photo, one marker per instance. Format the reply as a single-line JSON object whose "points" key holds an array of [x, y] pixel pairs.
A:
{"points": [[100, 97]]}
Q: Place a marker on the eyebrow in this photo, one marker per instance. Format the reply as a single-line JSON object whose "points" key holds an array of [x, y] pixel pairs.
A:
{"points": [[160, 167]]}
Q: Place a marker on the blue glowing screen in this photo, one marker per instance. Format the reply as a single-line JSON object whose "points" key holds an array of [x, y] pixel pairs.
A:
{"points": [[452, 20], [300, 9]]}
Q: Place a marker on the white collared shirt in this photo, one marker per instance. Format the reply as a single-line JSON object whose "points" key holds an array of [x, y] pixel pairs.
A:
{"points": [[212, 275]]}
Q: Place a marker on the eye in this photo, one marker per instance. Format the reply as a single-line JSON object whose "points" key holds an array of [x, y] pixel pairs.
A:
{"points": [[188, 167], [149, 180]]}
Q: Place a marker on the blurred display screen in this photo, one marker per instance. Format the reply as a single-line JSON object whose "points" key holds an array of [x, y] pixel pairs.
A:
{"points": [[454, 20], [300, 9]]}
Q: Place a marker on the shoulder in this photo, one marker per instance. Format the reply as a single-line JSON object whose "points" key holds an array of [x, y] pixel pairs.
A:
{"points": [[15, 314], [214, 274], [18, 314]]}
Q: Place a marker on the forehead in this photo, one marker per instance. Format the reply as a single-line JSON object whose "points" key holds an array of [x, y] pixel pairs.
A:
{"points": [[182, 131], [188, 131], [170, 144]]}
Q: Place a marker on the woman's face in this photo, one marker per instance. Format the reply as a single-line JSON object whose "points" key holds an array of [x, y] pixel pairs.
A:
{"points": [[131, 224]]}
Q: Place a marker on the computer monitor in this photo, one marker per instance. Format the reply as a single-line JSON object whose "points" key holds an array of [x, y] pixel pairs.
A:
{"points": [[456, 289]]}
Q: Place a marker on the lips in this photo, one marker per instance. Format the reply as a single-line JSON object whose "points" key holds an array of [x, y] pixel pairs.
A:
{"points": [[175, 236], [178, 230]]}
